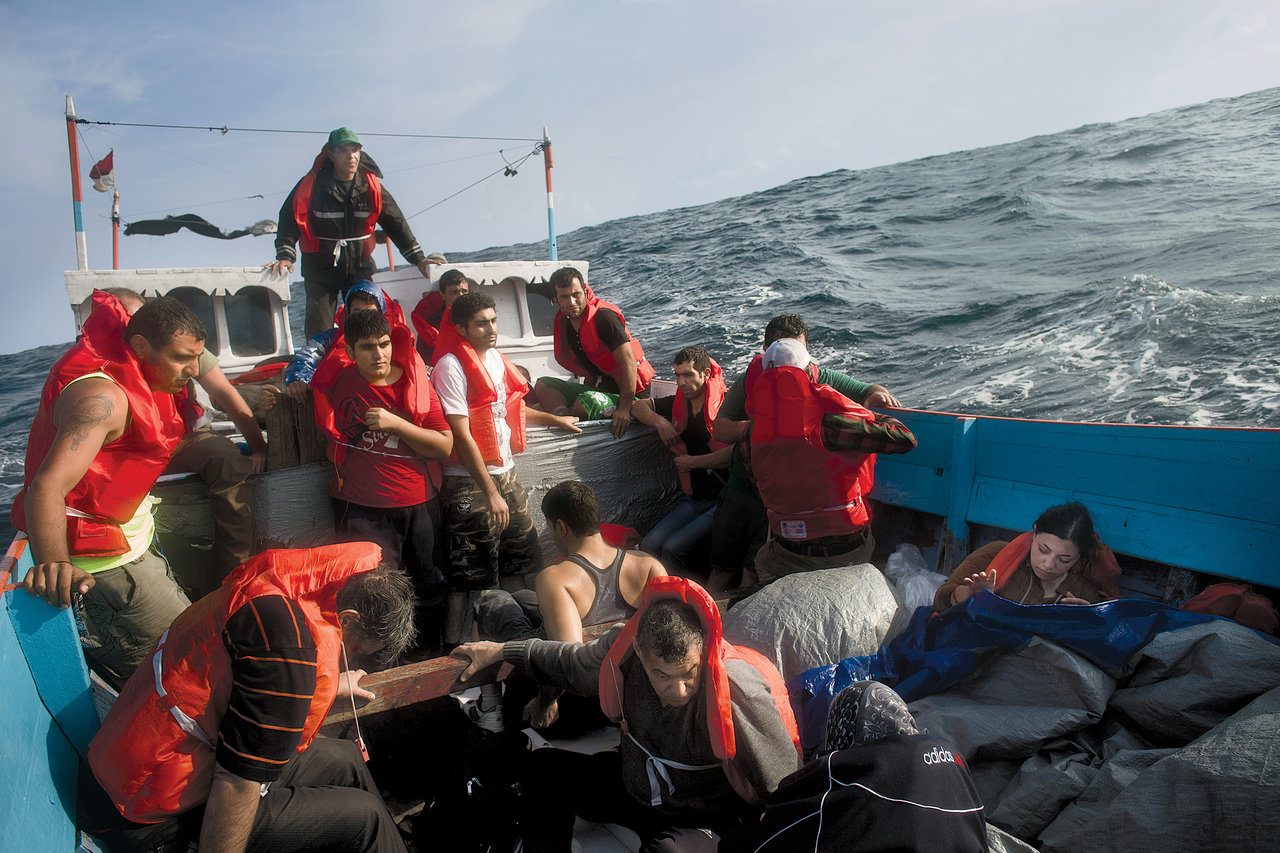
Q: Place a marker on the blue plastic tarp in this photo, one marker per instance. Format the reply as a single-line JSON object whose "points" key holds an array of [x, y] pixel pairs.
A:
{"points": [[934, 653]]}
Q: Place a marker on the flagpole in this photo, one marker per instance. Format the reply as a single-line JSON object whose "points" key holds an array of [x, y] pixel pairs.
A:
{"points": [[115, 229], [551, 205], [77, 212]]}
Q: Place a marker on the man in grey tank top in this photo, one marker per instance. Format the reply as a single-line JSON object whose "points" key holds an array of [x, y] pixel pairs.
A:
{"points": [[595, 583]]}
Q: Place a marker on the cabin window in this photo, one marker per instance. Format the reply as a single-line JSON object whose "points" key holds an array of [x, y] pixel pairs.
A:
{"points": [[541, 297], [201, 304], [504, 296], [251, 326]]}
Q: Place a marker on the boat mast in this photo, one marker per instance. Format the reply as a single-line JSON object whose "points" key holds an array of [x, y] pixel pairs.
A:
{"points": [[115, 229], [551, 205], [82, 251]]}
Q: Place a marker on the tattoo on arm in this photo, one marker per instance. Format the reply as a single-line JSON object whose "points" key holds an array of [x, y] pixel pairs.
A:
{"points": [[90, 411]]}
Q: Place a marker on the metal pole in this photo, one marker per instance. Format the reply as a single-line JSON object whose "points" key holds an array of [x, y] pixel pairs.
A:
{"points": [[115, 230], [77, 211], [551, 204]]}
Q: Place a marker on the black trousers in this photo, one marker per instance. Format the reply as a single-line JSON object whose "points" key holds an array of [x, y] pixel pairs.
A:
{"points": [[557, 784], [324, 800]]}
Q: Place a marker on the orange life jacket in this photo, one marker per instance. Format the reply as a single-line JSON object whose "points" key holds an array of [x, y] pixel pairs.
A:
{"points": [[153, 766], [809, 491], [715, 389], [427, 317], [123, 471], [600, 356], [715, 677], [481, 394], [308, 240], [1101, 570]]}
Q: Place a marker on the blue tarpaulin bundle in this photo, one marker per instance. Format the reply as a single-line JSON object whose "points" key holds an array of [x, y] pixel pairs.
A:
{"points": [[935, 653]]}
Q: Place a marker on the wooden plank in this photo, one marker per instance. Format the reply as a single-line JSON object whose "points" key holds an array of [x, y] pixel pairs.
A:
{"points": [[37, 762], [431, 679], [1234, 470], [50, 642]]}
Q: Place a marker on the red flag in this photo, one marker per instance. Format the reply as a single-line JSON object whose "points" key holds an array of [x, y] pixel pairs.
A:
{"points": [[103, 173]]}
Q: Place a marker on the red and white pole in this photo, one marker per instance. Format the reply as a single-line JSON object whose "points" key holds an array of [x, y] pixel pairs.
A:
{"points": [[551, 204], [77, 206], [115, 229]]}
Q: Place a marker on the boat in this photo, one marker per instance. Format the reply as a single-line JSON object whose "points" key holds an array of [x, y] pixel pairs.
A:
{"points": [[1182, 506], [970, 480]]}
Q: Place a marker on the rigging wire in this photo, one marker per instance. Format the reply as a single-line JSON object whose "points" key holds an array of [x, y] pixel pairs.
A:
{"points": [[224, 130], [509, 170]]}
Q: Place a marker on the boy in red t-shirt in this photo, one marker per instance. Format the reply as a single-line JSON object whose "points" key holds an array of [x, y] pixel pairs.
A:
{"points": [[386, 430]]}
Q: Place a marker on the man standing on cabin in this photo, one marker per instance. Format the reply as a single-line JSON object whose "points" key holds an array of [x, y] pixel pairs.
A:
{"points": [[814, 483], [489, 532], [739, 525], [216, 737], [429, 312], [213, 457], [683, 422], [331, 214], [594, 583], [386, 429], [105, 428], [592, 341], [708, 730]]}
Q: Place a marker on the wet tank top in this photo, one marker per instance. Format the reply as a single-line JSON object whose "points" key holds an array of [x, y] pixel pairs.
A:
{"points": [[608, 604]]}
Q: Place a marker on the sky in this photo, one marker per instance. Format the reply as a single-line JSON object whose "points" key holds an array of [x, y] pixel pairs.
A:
{"points": [[649, 104]]}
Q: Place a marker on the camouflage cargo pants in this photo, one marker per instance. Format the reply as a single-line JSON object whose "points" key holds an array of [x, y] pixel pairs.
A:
{"points": [[478, 553]]}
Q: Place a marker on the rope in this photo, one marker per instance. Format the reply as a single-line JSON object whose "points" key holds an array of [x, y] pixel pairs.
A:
{"points": [[224, 130]]}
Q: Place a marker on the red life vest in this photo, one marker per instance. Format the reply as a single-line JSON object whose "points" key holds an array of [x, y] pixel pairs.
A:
{"points": [[715, 677], [809, 491], [481, 395], [427, 316], [146, 762], [308, 240], [600, 356], [123, 471], [416, 398]]}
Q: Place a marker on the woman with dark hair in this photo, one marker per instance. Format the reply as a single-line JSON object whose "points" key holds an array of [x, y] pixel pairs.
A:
{"points": [[1060, 561]]}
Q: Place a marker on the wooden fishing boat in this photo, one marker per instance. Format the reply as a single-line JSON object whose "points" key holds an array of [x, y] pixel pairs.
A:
{"points": [[1182, 506]]}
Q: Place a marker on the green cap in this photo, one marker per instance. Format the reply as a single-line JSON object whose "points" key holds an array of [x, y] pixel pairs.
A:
{"points": [[343, 136]]}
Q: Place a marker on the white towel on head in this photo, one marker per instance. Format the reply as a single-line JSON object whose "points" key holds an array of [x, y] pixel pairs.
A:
{"points": [[786, 352]]}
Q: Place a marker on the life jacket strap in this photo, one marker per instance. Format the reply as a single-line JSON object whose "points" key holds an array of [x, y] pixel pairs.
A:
{"points": [[655, 768], [184, 722]]}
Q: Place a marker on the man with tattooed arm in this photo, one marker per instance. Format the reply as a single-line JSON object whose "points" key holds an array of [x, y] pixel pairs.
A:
{"points": [[104, 431]]}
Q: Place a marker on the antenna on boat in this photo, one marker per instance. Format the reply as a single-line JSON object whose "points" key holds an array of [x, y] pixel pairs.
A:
{"points": [[82, 250], [551, 204]]}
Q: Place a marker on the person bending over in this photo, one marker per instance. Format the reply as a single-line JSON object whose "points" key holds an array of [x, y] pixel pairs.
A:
{"points": [[708, 730], [216, 737], [1060, 561]]}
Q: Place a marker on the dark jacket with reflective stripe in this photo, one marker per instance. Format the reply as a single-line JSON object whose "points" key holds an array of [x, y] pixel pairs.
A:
{"points": [[337, 213]]}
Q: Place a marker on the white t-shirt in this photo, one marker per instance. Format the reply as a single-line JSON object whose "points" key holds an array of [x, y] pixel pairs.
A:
{"points": [[451, 387]]}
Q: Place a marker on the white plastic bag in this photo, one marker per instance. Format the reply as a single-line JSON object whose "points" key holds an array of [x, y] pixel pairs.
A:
{"points": [[916, 585]]}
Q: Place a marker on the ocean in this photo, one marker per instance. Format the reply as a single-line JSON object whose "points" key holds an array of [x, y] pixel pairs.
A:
{"points": [[1121, 272]]}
